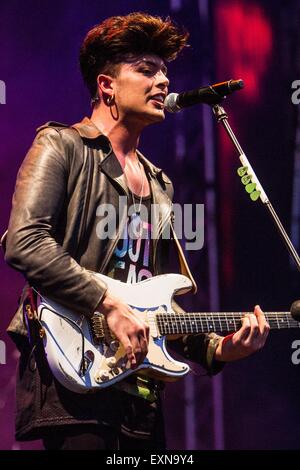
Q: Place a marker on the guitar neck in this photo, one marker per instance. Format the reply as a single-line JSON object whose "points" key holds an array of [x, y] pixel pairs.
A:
{"points": [[218, 322]]}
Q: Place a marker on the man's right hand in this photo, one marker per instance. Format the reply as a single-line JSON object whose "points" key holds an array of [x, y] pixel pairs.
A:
{"points": [[129, 329]]}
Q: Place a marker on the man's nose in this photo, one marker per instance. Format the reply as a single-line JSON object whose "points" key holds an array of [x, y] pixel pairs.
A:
{"points": [[162, 79]]}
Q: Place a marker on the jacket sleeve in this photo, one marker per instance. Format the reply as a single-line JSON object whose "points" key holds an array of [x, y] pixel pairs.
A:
{"points": [[31, 247], [198, 348]]}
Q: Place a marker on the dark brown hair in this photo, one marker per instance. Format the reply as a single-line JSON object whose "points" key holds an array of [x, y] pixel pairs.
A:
{"points": [[122, 37]]}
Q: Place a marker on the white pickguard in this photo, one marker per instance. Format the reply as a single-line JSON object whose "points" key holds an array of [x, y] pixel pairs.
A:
{"points": [[106, 362]]}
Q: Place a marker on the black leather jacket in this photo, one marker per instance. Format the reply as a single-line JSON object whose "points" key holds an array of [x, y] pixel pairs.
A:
{"points": [[52, 237]]}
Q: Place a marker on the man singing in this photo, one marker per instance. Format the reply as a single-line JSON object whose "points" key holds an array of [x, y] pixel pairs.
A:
{"points": [[55, 239]]}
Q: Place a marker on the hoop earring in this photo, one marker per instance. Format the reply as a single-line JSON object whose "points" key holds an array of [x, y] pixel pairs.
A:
{"points": [[110, 100]]}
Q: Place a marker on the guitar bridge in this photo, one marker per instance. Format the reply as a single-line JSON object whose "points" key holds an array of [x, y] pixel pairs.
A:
{"points": [[98, 325]]}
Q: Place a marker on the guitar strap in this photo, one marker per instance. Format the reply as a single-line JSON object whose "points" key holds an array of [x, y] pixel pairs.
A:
{"points": [[182, 261], [34, 327], [31, 326], [140, 386]]}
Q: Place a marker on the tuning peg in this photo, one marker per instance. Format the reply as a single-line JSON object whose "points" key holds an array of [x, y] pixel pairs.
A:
{"points": [[242, 170]]}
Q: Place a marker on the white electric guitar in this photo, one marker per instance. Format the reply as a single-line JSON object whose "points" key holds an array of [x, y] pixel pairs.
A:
{"points": [[84, 355]]}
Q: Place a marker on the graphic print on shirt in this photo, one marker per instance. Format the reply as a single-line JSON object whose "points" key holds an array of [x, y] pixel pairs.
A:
{"points": [[132, 259]]}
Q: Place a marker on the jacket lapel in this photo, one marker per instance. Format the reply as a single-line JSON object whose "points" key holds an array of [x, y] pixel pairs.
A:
{"points": [[111, 167]]}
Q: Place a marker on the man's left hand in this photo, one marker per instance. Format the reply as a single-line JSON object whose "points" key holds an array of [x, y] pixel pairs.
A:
{"points": [[248, 339]]}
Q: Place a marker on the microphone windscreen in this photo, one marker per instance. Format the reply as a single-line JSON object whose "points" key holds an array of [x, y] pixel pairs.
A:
{"points": [[170, 103]]}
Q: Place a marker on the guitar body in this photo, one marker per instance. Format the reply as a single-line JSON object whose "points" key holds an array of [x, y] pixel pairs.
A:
{"points": [[84, 356]]}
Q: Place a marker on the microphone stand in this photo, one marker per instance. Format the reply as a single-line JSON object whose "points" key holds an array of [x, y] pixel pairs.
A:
{"points": [[251, 182]]}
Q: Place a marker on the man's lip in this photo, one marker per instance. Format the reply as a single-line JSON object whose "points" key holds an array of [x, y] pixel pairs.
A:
{"points": [[162, 95], [161, 103], [157, 100]]}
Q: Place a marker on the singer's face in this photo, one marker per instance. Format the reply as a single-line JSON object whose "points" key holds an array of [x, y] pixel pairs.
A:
{"points": [[140, 89]]}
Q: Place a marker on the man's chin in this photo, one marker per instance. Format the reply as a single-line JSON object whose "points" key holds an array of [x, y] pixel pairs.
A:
{"points": [[156, 117], [146, 118]]}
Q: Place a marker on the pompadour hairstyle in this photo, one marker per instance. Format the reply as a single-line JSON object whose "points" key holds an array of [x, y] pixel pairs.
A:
{"points": [[120, 38]]}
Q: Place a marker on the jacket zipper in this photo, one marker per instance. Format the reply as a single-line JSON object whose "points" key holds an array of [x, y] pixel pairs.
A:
{"points": [[156, 240], [87, 203], [111, 250], [154, 258]]}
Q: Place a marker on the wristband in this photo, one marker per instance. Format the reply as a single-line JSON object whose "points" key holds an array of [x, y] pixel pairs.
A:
{"points": [[227, 338]]}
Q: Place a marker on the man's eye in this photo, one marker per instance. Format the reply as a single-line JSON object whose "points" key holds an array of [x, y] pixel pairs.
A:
{"points": [[147, 71], [150, 72]]}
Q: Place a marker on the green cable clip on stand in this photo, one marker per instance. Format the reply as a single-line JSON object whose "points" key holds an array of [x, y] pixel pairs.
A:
{"points": [[250, 180]]}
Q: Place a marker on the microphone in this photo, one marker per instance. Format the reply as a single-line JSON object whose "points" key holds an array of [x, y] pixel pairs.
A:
{"points": [[212, 94]]}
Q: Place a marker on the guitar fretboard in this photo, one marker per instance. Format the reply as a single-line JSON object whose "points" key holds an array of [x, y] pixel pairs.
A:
{"points": [[219, 322]]}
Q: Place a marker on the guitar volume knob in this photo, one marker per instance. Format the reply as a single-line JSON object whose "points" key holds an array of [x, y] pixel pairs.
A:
{"points": [[102, 376], [114, 345], [111, 362]]}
